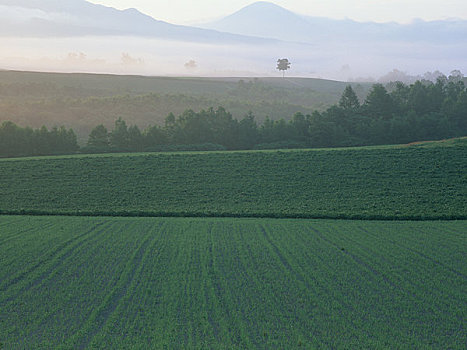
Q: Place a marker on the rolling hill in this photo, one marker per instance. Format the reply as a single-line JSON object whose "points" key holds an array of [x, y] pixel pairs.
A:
{"points": [[421, 181], [82, 101]]}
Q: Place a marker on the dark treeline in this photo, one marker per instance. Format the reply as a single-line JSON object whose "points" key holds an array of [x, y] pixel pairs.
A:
{"points": [[16, 141], [421, 111], [394, 114]]}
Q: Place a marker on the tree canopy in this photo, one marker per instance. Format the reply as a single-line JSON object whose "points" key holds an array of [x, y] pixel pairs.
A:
{"points": [[283, 64], [396, 113]]}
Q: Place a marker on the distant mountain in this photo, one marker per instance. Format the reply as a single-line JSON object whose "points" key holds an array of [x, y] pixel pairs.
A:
{"points": [[265, 19], [46, 18], [253, 23], [246, 43]]}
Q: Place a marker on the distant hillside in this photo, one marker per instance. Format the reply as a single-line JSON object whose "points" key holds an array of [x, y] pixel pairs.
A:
{"points": [[82, 101]]}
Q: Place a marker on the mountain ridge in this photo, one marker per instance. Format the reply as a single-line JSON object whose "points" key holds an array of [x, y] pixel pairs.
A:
{"points": [[266, 19], [258, 22], [58, 18], [245, 43]]}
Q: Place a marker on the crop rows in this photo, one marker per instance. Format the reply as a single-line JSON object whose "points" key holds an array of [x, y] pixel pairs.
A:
{"points": [[231, 283], [368, 183]]}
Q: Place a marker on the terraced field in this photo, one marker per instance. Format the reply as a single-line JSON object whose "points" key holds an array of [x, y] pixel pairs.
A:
{"points": [[400, 182], [181, 283]]}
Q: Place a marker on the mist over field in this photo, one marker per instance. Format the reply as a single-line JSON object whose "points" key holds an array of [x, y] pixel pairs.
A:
{"points": [[133, 55], [146, 56], [77, 36]]}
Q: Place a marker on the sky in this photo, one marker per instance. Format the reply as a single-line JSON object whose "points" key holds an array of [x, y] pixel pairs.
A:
{"points": [[402, 11]]}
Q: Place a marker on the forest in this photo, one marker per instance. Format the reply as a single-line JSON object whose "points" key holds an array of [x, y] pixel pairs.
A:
{"points": [[17, 141], [392, 114]]}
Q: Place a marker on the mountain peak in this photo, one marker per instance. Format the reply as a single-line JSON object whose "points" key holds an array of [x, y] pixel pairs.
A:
{"points": [[264, 19], [263, 7], [264, 4]]}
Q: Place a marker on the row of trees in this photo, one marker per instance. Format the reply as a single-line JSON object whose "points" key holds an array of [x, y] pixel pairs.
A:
{"points": [[421, 111], [397, 113], [16, 141], [212, 128]]}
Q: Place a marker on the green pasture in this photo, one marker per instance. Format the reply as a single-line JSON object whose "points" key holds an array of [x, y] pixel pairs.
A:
{"points": [[423, 181], [182, 283]]}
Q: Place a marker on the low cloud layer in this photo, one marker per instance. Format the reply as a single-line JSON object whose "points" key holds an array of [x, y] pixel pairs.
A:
{"points": [[55, 35], [126, 55]]}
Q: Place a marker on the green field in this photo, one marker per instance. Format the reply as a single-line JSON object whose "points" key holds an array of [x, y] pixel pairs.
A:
{"points": [[246, 256], [181, 283], [427, 181]]}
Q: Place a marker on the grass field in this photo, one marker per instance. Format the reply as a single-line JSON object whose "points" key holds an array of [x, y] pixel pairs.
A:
{"points": [[181, 283], [426, 181], [75, 274]]}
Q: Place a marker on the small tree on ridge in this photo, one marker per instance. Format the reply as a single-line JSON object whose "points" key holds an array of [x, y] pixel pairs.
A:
{"points": [[283, 64]]}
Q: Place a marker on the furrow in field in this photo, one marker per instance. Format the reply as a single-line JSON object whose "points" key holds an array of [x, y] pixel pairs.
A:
{"points": [[277, 300], [414, 272], [278, 253], [102, 313], [51, 260], [17, 234], [213, 293], [255, 287], [69, 254], [90, 274], [6, 223], [133, 315], [437, 261], [364, 252], [407, 247], [147, 283], [31, 245], [328, 260], [230, 274], [356, 258], [139, 301], [46, 290], [187, 289], [410, 274], [328, 276], [367, 292], [46, 295]]}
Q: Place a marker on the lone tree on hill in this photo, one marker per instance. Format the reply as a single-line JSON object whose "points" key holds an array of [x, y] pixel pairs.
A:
{"points": [[283, 64]]}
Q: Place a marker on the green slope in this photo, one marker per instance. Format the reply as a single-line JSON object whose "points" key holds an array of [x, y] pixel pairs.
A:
{"points": [[82, 101], [148, 283], [426, 181], [109, 85]]}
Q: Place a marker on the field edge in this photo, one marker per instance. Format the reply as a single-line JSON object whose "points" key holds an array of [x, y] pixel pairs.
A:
{"points": [[144, 214]]}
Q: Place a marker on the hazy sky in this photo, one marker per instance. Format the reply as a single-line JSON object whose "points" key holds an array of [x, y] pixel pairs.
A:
{"points": [[189, 11]]}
